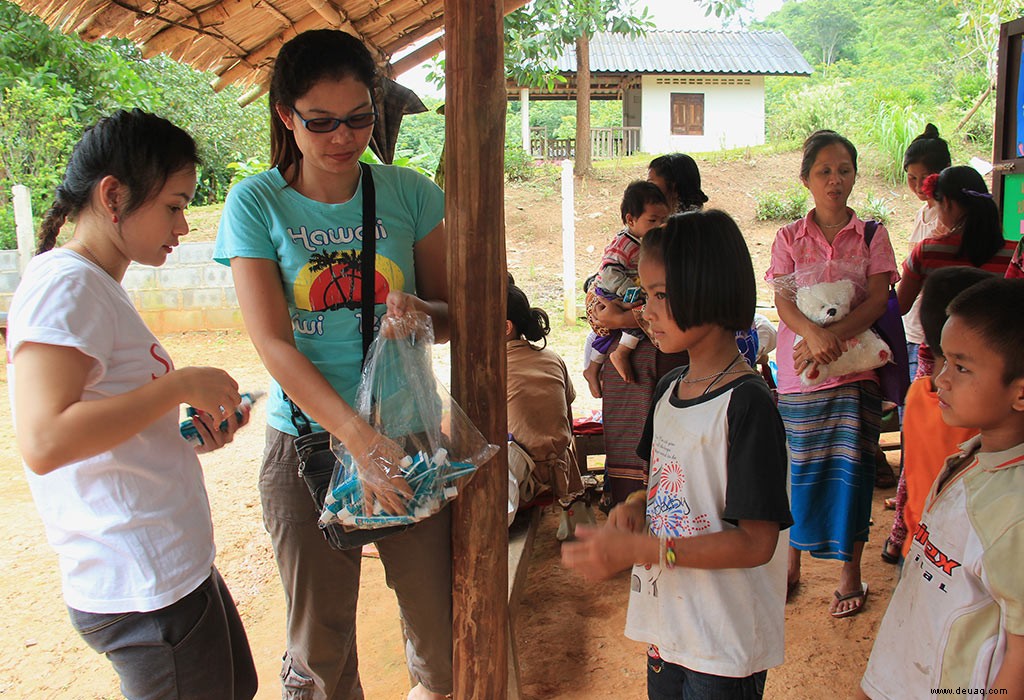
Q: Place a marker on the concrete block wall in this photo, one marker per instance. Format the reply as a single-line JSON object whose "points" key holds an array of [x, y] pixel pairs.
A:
{"points": [[188, 292], [8, 277]]}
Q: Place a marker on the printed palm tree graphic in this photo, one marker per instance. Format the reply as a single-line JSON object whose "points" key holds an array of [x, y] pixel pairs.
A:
{"points": [[349, 263]]}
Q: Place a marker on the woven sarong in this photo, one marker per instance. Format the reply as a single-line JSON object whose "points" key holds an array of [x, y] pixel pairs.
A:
{"points": [[833, 435], [625, 408]]}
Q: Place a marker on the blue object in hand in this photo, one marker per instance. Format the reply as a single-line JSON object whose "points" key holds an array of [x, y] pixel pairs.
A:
{"points": [[188, 429]]}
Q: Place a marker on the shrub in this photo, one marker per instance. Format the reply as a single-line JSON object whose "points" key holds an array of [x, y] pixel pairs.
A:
{"points": [[8, 232], [781, 206], [893, 130], [38, 133], [518, 165], [875, 207], [241, 169], [798, 114]]}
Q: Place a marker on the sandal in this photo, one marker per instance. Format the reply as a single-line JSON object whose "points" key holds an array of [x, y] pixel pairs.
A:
{"points": [[855, 610], [890, 503], [890, 552]]}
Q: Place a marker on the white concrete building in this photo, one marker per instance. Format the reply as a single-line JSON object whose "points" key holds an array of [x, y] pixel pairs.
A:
{"points": [[686, 91]]}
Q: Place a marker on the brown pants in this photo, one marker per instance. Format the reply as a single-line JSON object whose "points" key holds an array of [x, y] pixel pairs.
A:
{"points": [[321, 587]]}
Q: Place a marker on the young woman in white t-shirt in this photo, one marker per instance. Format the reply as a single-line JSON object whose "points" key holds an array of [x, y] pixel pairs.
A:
{"points": [[96, 399]]}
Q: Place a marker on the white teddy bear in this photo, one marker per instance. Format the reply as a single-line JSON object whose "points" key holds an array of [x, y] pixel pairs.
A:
{"points": [[826, 303]]}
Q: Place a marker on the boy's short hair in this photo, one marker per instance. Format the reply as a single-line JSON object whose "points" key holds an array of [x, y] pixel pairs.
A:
{"points": [[637, 196], [709, 277], [993, 310], [940, 288]]}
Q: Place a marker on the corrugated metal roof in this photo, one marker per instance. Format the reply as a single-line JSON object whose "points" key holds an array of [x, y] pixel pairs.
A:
{"points": [[750, 53]]}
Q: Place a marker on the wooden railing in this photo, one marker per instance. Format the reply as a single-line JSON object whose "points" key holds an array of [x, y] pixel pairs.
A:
{"points": [[606, 142], [614, 141]]}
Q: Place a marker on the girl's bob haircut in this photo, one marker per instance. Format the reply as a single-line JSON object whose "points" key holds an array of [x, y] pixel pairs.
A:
{"points": [[709, 277]]}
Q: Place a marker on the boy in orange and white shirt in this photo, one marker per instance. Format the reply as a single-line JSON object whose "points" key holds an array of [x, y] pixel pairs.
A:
{"points": [[956, 619]]}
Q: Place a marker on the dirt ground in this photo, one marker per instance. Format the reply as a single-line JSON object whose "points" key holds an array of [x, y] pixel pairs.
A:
{"points": [[570, 633]]}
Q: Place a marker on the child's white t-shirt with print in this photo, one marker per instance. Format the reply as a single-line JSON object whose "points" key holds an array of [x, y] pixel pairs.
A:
{"points": [[131, 526], [715, 460], [960, 590]]}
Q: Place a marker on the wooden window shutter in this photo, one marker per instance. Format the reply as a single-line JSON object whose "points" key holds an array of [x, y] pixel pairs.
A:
{"points": [[688, 114]]}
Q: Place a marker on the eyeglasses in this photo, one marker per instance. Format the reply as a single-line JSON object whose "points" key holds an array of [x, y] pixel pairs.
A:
{"points": [[325, 125]]}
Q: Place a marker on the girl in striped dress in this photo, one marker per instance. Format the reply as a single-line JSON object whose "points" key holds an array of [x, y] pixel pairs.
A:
{"points": [[833, 427]]}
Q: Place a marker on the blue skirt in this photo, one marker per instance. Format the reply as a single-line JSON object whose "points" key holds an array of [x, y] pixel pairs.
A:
{"points": [[833, 436]]}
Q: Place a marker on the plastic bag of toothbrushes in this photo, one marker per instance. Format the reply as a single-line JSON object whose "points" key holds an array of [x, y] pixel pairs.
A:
{"points": [[426, 449]]}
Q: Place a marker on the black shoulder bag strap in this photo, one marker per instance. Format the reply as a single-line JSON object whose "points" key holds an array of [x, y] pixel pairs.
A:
{"points": [[368, 271], [367, 276], [869, 232]]}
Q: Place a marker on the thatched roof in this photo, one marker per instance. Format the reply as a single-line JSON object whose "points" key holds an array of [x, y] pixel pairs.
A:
{"points": [[238, 39]]}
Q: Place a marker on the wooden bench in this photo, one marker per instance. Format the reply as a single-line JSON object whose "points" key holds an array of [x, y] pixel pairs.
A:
{"points": [[890, 441], [588, 445], [521, 537]]}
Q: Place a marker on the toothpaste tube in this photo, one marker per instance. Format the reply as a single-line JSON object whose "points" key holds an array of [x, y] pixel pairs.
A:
{"points": [[188, 429]]}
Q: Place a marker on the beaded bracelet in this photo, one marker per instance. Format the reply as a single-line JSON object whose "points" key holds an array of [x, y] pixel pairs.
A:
{"points": [[668, 546]]}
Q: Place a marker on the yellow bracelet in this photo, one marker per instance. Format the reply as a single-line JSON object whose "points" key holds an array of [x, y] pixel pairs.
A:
{"points": [[669, 546]]}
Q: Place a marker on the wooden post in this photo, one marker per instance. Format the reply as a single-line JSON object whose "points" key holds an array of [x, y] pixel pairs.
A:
{"points": [[583, 156], [568, 244], [474, 217], [524, 116]]}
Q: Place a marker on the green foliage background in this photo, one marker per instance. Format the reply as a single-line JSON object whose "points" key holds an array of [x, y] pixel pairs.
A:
{"points": [[882, 69], [53, 86]]}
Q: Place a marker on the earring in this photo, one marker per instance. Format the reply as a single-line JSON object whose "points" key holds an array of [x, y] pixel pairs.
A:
{"points": [[114, 218]]}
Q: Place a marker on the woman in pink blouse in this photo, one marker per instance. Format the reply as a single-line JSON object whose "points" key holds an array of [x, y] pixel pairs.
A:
{"points": [[833, 427]]}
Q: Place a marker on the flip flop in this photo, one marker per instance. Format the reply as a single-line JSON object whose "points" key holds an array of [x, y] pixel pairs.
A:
{"points": [[887, 552], [890, 503], [862, 594]]}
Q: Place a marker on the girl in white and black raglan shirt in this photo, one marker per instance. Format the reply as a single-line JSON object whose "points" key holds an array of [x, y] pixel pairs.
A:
{"points": [[708, 588]]}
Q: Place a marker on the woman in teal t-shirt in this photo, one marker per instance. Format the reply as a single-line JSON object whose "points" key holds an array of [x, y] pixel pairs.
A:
{"points": [[293, 238]]}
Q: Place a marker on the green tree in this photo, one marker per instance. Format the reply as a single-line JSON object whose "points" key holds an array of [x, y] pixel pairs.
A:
{"points": [[225, 132], [978, 41], [74, 83], [823, 30], [537, 33], [37, 135]]}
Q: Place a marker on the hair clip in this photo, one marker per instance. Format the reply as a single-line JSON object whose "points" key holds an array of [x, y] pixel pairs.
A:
{"points": [[928, 186], [975, 193]]}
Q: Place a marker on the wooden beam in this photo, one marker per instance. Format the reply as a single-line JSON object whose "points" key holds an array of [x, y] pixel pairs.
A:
{"points": [[400, 39], [428, 50], [167, 39], [255, 92], [380, 27], [328, 11], [265, 52], [474, 206]]}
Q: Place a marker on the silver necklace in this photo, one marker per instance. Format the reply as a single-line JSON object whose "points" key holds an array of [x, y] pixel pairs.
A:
{"points": [[832, 225], [728, 370], [88, 250]]}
